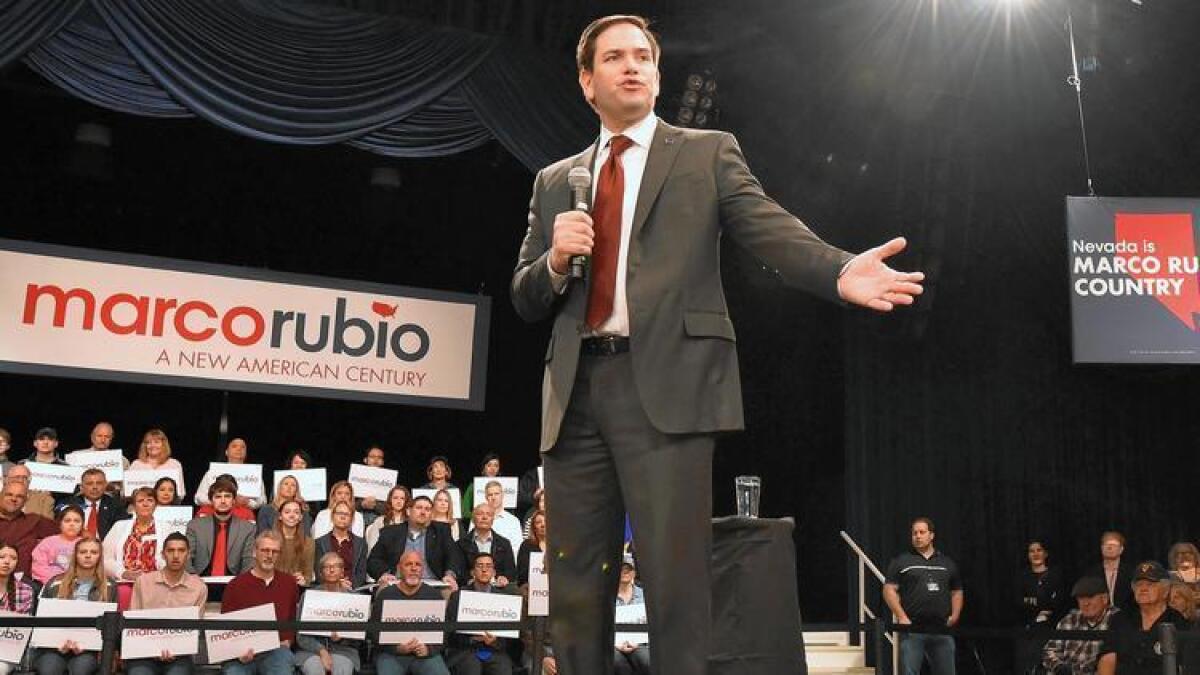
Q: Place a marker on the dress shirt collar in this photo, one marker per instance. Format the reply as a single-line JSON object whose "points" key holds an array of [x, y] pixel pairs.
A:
{"points": [[641, 133]]}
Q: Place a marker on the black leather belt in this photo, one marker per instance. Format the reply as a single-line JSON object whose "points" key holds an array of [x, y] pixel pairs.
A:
{"points": [[605, 345]]}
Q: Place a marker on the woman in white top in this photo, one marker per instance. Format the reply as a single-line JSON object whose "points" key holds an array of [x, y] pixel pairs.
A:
{"points": [[154, 454], [342, 491], [134, 545], [235, 453], [397, 503]]}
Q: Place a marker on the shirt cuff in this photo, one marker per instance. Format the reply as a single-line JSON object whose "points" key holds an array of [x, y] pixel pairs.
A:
{"points": [[558, 282], [840, 272]]}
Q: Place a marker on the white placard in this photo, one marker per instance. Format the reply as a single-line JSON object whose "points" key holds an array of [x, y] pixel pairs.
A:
{"points": [[410, 611], [230, 643], [145, 643], [139, 478], [53, 477], [168, 519], [541, 476], [539, 585], [89, 639], [372, 481], [508, 483], [248, 477], [631, 614], [476, 606], [455, 498], [13, 639], [109, 461], [312, 483], [330, 606]]}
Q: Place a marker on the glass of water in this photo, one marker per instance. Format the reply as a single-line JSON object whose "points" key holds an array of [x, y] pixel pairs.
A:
{"points": [[748, 488]]}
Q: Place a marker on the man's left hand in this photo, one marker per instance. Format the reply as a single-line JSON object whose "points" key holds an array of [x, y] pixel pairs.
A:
{"points": [[869, 282]]}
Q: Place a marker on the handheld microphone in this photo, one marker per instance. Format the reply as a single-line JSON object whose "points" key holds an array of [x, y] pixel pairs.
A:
{"points": [[580, 180]]}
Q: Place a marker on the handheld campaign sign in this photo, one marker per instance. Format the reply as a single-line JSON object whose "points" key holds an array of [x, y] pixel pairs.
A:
{"points": [[326, 606], [312, 483], [53, 477], [475, 606], [145, 643], [89, 639], [248, 477], [168, 519], [507, 483], [411, 611], [230, 643], [539, 585], [372, 481], [13, 640], [139, 478], [109, 461], [631, 614]]}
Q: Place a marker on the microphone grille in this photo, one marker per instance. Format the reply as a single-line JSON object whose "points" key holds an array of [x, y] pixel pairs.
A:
{"points": [[579, 177]]}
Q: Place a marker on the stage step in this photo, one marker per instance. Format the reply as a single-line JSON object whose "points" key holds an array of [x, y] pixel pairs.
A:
{"points": [[830, 652]]}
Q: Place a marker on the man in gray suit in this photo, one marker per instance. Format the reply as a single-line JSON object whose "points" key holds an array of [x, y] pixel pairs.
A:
{"points": [[641, 370], [204, 533]]}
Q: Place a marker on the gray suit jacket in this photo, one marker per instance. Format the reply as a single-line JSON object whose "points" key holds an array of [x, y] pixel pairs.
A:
{"points": [[696, 188], [239, 556]]}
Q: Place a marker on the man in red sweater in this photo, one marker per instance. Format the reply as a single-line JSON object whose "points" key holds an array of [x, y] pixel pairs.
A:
{"points": [[260, 586], [19, 529]]}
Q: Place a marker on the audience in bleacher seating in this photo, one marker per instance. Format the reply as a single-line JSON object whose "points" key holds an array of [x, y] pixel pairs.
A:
{"points": [[166, 492], [262, 584], [16, 595], [489, 467], [288, 490], [221, 545], [350, 548], [438, 473], [1041, 586], [52, 555], [443, 512], [85, 579], [331, 654], [100, 510], [414, 656], [1069, 657], [630, 658], [482, 539], [539, 504], [442, 557], [5, 462], [154, 453], [134, 545], [236, 452], [371, 508], [101, 438], [484, 654], [20, 529], [503, 523], [296, 547], [394, 512], [1116, 572], [535, 543], [169, 586], [1132, 645], [45, 450], [340, 492], [241, 509]]}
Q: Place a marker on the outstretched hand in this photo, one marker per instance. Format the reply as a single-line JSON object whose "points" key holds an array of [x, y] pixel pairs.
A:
{"points": [[869, 282]]}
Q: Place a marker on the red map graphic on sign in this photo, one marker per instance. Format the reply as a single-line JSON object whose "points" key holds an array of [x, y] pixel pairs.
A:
{"points": [[1173, 236], [383, 309]]}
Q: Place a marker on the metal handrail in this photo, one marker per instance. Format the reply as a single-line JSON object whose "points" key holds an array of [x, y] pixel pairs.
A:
{"points": [[864, 611], [862, 555]]}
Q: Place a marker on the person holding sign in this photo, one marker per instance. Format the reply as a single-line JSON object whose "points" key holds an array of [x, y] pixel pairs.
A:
{"points": [[102, 437], [235, 453], [220, 545], [504, 523], [477, 654], [16, 595], [350, 548], [52, 555], [296, 552], [328, 654], [132, 546], [45, 451], [482, 539], [413, 657], [100, 510], [288, 490], [535, 543], [341, 492], [169, 586], [630, 658], [260, 585], [443, 559], [368, 506], [154, 454], [439, 474], [22, 530], [85, 579]]}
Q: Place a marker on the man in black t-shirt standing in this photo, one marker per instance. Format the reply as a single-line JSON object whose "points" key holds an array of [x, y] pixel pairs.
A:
{"points": [[923, 588], [1133, 647]]}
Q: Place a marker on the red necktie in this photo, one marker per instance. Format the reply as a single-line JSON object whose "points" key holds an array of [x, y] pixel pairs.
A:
{"points": [[606, 216], [91, 519], [219, 546]]}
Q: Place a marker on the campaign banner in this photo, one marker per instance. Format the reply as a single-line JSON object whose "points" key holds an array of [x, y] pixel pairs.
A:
{"points": [[312, 483], [146, 643], [330, 606], [109, 461], [53, 477], [479, 607], [412, 611], [1134, 287], [13, 639], [372, 481], [139, 478], [455, 498], [168, 519], [88, 639], [631, 614], [507, 483], [230, 643], [248, 477], [95, 314], [539, 585]]}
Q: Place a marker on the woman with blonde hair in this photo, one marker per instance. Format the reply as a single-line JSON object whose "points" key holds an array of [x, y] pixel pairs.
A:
{"points": [[341, 491], [85, 579], [443, 512], [1182, 600], [154, 454], [296, 547], [288, 490]]}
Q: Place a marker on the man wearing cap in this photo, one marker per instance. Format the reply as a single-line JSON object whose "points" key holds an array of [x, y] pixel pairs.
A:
{"points": [[1133, 647], [45, 451], [1076, 657], [922, 588]]}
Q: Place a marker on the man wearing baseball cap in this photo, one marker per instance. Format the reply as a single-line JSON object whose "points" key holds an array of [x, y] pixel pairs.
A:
{"points": [[1132, 647], [1069, 657]]}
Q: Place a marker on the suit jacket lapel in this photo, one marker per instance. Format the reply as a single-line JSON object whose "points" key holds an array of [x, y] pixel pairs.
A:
{"points": [[662, 153]]}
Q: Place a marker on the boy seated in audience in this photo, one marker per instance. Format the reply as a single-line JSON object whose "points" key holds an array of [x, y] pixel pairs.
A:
{"points": [[220, 544]]}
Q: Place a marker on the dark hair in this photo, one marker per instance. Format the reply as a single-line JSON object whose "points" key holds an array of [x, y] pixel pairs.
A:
{"points": [[223, 483], [924, 519], [308, 462], [174, 487], [419, 498], [1112, 534], [177, 536], [11, 587], [92, 472], [482, 554], [585, 52], [487, 458], [69, 508]]}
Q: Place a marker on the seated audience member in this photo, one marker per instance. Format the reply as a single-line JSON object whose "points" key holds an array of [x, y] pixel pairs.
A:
{"points": [[439, 474], [235, 453], [350, 549], [1181, 599], [16, 595], [296, 547], [167, 587], [6, 463], [414, 656], [102, 437], [166, 492], [1132, 643], [1116, 572], [477, 654], [240, 509], [629, 658], [443, 512], [341, 492], [288, 490], [221, 545], [261, 585], [443, 558], [18, 528], [133, 547], [52, 555], [535, 543], [489, 467], [333, 654], [85, 579], [504, 523], [1184, 561], [296, 460], [154, 453], [481, 539], [394, 514], [100, 510], [45, 451], [539, 504], [371, 508]]}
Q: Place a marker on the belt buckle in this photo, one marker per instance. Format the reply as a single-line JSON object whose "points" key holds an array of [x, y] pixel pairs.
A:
{"points": [[607, 345]]}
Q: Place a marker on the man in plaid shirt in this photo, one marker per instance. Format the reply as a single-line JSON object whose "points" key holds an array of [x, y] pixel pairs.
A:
{"points": [[1078, 657]]}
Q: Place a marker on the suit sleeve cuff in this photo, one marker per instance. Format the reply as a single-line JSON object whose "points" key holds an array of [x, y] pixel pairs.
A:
{"points": [[558, 282]]}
